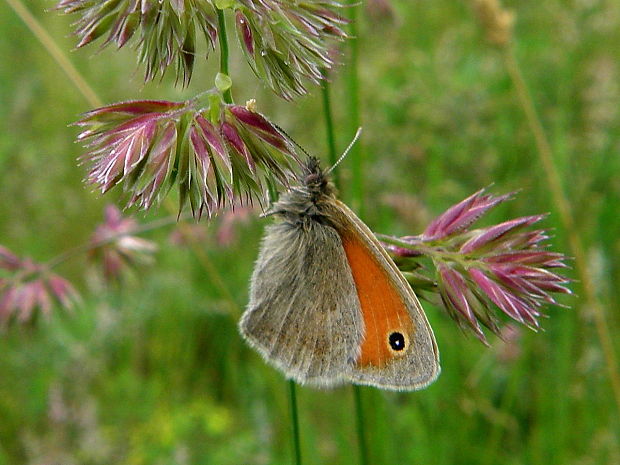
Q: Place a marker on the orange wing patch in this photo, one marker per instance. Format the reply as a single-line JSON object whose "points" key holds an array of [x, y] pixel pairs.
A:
{"points": [[387, 322]]}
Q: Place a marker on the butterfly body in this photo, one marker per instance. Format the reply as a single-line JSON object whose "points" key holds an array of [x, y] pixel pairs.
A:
{"points": [[327, 303]]}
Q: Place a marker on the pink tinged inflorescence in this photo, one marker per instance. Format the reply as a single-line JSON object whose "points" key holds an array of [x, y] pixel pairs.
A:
{"points": [[166, 30], [288, 43], [26, 286], [216, 156], [462, 215], [285, 43], [116, 248], [505, 265]]}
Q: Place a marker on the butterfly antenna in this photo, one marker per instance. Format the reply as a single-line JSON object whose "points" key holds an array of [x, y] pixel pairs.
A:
{"points": [[292, 140], [347, 150]]}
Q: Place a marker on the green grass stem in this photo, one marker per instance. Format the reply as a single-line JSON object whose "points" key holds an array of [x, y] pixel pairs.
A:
{"points": [[295, 422], [223, 40], [329, 127], [354, 120], [360, 424]]}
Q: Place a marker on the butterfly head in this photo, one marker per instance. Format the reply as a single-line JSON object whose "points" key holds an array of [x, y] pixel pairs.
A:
{"points": [[315, 179]]}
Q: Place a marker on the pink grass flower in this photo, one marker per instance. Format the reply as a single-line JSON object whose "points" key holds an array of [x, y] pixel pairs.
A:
{"points": [[285, 43], [166, 30], [460, 216], [288, 43], [216, 156], [26, 286], [504, 266], [116, 247]]}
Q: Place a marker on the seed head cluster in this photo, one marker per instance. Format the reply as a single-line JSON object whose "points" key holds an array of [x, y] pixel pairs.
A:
{"points": [[504, 266]]}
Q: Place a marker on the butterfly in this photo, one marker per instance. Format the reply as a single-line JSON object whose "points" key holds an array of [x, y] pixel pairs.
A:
{"points": [[327, 303]]}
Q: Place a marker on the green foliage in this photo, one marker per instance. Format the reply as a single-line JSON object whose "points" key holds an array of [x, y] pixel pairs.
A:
{"points": [[156, 373]]}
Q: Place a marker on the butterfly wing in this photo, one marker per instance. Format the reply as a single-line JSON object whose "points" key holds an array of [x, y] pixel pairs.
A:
{"points": [[303, 315], [398, 350]]}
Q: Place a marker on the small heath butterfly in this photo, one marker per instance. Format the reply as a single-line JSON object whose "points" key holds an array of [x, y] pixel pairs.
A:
{"points": [[327, 303]]}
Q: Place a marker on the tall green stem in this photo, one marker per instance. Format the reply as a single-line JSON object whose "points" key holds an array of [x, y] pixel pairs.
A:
{"points": [[353, 110], [223, 39], [295, 421], [329, 127], [361, 429]]}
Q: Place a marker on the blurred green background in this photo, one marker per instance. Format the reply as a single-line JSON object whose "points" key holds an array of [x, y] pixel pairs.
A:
{"points": [[154, 371]]}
